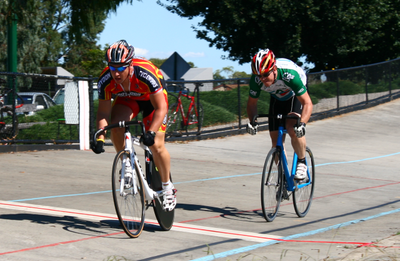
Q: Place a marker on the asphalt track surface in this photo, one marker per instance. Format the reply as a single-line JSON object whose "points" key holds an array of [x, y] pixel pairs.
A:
{"points": [[57, 205]]}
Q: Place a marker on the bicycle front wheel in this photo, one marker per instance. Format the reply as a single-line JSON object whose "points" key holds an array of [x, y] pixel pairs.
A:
{"points": [[130, 203], [302, 197], [271, 185], [174, 120]]}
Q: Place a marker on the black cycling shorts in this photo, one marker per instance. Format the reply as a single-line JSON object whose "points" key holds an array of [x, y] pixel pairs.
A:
{"points": [[277, 107]]}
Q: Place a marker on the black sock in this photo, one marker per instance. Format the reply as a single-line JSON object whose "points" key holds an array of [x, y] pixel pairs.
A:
{"points": [[301, 161]]}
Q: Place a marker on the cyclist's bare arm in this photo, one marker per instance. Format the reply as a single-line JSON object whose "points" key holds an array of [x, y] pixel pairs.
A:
{"points": [[160, 110], [305, 100], [103, 115], [252, 108]]}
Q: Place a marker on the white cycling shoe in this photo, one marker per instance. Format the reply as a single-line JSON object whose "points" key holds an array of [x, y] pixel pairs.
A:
{"points": [[169, 202], [301, 171]]}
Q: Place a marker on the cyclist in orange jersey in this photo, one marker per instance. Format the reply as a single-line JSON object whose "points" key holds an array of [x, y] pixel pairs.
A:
{"points": [[137, 85]]}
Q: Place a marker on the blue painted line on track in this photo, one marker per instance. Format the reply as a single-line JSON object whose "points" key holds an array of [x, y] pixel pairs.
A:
{"points": [[62, 196], [317, 231], [198, 180], [353, 161]]}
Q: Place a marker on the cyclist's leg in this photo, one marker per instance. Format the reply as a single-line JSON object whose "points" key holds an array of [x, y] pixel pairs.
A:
{"points": [[162, 160], [275, 108], [123, 109], [293, 106], [161, 155]]}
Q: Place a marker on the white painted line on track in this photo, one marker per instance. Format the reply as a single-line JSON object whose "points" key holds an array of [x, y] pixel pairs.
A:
{"points": [[179, 227], [226, 233]]}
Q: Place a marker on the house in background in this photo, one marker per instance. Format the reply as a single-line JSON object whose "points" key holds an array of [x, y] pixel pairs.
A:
{"points": [[48, 85], [175, 68], [59, 71]]}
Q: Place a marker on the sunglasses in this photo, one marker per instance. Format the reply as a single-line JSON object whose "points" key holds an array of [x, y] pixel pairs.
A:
{"points": [[120, 69], [264, 75]]}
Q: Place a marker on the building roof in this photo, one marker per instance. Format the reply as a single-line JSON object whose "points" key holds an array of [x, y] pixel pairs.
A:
{"points": [[198, 74]]}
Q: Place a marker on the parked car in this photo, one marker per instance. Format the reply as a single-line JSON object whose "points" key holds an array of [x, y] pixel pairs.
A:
{"points": [[60, 95], [40, 99]]}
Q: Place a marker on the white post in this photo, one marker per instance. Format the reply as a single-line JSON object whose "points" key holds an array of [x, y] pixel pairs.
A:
{"points": [[84, 118]]}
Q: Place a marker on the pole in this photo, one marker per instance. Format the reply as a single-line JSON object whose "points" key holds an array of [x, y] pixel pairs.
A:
{"points": [[12, 42]]}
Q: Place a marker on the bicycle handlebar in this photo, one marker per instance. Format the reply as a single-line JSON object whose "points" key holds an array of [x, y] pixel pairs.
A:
{"points": [[121, 124], [279, 117]]}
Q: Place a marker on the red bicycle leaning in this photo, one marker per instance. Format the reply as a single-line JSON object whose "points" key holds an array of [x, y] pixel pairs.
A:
{"points": [[178, 121]]}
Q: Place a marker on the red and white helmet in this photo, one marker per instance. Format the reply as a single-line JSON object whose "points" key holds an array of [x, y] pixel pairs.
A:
{"points": [[263, 62], [120, 52]]}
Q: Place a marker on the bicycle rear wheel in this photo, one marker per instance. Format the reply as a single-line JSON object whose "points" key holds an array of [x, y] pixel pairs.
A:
{"points": [[130, 206], [302, 197], [196, 117], [271, 185], [174, 120], [164, 218]]}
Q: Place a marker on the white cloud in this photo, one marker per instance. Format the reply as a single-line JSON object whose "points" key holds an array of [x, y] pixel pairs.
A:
{"points": [[141, 52], [193, 55]]}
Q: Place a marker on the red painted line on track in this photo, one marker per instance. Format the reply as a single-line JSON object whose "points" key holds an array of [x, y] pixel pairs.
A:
{"points": [[59, 243]]}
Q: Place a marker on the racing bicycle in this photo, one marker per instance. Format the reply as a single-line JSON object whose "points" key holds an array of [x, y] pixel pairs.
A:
{"points": [[178, 120], [132, 196], [278, 181]]}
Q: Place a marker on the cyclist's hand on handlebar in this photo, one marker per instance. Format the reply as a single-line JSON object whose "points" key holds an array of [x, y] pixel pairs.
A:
{"points": [[148, 138], [97, 147], [300, 130], [251, 128]]}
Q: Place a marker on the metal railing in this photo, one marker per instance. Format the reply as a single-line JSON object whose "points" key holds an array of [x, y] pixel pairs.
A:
{"points": [[333, 92]]}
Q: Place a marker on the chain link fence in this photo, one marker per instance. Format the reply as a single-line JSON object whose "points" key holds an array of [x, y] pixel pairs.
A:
{"points": [[333, 92]]}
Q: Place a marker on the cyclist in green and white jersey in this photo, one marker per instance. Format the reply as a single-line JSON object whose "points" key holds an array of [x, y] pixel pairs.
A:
{"points": [[286, 82]]}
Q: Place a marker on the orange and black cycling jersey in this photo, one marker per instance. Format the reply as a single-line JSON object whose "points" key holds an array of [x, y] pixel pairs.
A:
{"points": [[146, 79]]}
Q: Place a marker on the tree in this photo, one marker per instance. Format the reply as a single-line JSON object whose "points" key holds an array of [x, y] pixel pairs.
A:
{"points": [[85, 59], [237, 74], [229, 73], [46, 37], [330, 33], [157, 62], [31, 48]]}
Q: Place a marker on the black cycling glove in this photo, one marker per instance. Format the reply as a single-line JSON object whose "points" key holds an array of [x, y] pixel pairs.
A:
{"points": [[148, 138], [98, 147]]}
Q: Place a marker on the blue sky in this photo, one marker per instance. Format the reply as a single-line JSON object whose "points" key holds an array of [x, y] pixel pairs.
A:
{"points": [[157, 33]]}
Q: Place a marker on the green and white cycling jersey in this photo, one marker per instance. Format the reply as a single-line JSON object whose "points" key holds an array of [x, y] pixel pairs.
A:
{"points": [[290, 80]]}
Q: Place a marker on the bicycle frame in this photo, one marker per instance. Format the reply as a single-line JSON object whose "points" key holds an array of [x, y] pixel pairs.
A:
{"points": [[291, 185], [129, 142], [185, 118]]}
